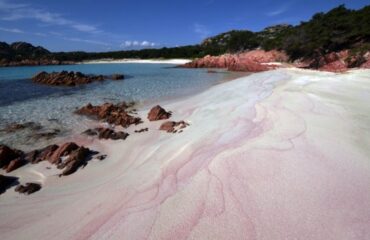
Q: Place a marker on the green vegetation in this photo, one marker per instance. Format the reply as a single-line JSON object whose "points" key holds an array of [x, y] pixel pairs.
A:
{"points": [[338, 29]]}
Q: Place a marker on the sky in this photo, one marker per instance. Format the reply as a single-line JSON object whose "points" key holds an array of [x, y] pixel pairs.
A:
{"points": [[95, 25]]}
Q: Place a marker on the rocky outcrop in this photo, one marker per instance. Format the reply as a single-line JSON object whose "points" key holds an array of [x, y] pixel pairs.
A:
{"points": [[69, 79], [112, 113], [158, 113], [106, 133], [252, 61], [173, 127], [76, 159], [6, 182], [28, 188], [10, 159], [39, 155], [335, 61]]}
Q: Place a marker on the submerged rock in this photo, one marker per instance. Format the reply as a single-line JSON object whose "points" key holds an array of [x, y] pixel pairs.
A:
{"points": [[158, 113], [66, 78], [106, 133], [13, 127], [28, 188], [112, 113]]}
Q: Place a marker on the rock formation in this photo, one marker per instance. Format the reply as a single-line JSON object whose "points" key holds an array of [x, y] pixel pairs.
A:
{"points": [[106, 133], [158, 113], [173, 127], [65, 78], [112, 113]]}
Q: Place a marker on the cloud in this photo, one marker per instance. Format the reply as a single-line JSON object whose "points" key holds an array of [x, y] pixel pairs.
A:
{"points": [[282, 9], [14, 12], [201, 30], [87, 41], [137, 44], [12, 30]]}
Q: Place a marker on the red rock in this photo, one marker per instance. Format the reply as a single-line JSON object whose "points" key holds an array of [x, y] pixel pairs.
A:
{"points": [[36, 156], [28, 188], [252, 61], [113, 114], [65, 78], [14, 164], [173, 127], [7, 154], [62, 151], [158, 113], [76, 159]]}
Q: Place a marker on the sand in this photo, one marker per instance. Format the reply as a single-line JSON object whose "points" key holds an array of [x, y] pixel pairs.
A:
{"points": [[283, 154]]}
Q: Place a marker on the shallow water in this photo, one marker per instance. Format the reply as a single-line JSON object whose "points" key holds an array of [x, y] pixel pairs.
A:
{"points": [[21, 100]]}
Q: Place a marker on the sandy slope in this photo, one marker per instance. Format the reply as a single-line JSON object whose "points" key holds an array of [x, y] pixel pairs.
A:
{"points": [[283, 154]]}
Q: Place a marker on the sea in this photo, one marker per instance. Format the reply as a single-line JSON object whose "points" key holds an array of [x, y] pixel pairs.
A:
{"points": [[51, 108]]}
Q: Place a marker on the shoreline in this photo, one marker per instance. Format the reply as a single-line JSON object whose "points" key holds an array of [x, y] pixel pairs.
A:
{"points": [[260, 149], [148, 61]]}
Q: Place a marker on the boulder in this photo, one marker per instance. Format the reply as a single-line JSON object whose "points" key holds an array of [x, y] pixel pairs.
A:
{"points": [[28, 188], [39, 155], [158, 113], [62, 151], [76, 159], [173, 127]]}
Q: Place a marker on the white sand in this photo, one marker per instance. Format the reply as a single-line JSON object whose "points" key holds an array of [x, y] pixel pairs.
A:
{"points": [[283, 154], [155, 61]]}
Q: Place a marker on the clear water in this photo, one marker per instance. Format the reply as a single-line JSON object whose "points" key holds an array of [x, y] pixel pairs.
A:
{"points": [[21, 100]]}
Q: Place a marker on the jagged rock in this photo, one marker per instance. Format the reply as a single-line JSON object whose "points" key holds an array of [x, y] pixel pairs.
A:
{"points": [[112, 113], [62, 151], [39, 155], [15, 164], [6, 182], [173, 127], [28, 188], [106, 133], [76, 159], [8, 154], [65, 78], [158, 113]]}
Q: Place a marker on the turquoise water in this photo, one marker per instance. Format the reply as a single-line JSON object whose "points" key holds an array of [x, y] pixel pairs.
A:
{"points": [[21, 100]]}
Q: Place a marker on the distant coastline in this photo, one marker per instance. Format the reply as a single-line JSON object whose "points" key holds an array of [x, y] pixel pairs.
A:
{"points": [[132, 60]]}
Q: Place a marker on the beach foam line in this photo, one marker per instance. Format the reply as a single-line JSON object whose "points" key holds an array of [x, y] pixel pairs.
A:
{"points": [[148, 61], [282, 154]]}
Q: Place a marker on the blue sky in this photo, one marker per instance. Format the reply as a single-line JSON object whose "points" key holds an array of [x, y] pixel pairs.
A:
{"points": [[68, 25]]}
